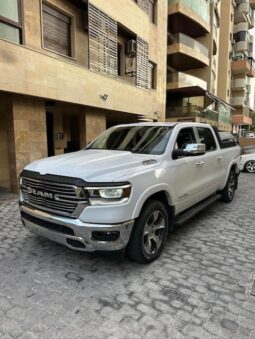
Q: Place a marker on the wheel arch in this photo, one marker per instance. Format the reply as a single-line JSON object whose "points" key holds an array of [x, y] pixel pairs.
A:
{"points": [[160, 194]]}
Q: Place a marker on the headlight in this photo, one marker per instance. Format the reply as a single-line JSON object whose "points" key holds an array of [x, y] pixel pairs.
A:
{"points": [[108, 195]]}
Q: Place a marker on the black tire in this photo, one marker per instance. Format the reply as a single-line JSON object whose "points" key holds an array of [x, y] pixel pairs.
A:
{"points": [[250, 166], [228, 192], [149, 233]]}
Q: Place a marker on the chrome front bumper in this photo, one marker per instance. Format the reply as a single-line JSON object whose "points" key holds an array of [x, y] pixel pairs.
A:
{"points": [[74, 233]]}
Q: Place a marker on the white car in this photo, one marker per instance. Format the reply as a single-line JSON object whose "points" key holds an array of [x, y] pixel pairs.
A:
{"points": [[248, 163], [128, 187]]}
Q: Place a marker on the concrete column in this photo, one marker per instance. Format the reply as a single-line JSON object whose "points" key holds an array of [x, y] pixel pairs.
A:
{"points": [[5, 108], [27, 134], [92, 123]]}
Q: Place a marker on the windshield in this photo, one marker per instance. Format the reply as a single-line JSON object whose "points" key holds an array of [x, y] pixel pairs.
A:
{"points": [[135, 139]]}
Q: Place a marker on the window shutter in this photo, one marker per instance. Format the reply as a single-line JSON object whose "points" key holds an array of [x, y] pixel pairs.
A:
{"points": [[103, 48], [142, 63], [144, 4], [56, 31]]}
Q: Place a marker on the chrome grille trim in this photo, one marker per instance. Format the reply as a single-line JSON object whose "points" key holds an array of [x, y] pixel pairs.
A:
{"points": [[67, 200]]}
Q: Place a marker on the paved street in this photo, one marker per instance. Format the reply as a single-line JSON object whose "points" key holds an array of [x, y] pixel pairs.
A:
{"points": [[199, 288]]}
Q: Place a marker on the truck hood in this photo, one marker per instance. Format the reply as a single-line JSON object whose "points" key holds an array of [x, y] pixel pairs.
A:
{"points": [[94, 165]]}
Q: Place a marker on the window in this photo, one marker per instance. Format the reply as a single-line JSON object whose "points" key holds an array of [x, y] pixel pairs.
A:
{"points": [[186, 136], [206, 137], [240, 36], [152, 75], [56, 30], [10, 20], [152, 11]]}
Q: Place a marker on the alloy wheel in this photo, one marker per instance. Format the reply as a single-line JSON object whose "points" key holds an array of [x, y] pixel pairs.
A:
{"points": [[250, 166], [154, 232]]}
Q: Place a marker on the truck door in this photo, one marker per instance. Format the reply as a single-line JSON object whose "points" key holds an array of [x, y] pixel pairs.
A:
{"points": [[186, 174], [213, 166]]}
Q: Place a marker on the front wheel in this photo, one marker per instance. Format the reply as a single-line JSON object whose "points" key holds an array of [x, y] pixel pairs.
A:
{"points": [[250, 166], [149, 233], [228, 192]]}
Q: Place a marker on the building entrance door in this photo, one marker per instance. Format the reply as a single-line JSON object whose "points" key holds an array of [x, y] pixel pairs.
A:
{"points": [[50, 134]]}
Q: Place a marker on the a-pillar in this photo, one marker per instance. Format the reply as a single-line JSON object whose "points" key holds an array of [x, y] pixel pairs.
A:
{"points": [[92, 123], [26, 133]]}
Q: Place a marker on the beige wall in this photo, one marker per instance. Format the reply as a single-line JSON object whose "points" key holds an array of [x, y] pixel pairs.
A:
{"points": [[27, 134], [4, 157], [35, 71], [224, 68]]}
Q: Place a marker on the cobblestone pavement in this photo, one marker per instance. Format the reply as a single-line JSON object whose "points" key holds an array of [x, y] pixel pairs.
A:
{"points": [[199, 288]]}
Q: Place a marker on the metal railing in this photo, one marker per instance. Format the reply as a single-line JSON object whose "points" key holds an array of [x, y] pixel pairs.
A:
{"points": [[191, 111], [187, 41]]}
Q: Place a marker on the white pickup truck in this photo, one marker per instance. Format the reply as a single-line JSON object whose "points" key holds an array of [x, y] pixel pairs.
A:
{"points": [[129, 187]]}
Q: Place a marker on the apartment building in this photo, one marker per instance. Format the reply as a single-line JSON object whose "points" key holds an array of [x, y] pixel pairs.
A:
{"points": [[192, 63], [242, 65], [71, 68]]}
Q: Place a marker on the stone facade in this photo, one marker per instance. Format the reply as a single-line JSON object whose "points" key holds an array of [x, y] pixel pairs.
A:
{"points": [[43, 84]]}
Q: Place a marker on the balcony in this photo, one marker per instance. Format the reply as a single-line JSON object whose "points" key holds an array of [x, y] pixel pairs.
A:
{"points": [[185, 84], [186, 53], [238, 85], [240, 66], [241, 120], [189, 16], [240, 101], [252, 4], [191, 112]]}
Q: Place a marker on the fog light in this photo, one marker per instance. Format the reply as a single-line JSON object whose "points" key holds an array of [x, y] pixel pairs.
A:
{"points": [[105, 236]]}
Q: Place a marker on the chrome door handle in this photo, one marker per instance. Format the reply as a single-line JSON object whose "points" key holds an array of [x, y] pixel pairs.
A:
{"points": [[200, 163], [220, 158]]}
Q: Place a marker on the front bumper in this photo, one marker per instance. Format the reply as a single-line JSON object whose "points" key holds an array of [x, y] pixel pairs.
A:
{"points": [[74, 233]]}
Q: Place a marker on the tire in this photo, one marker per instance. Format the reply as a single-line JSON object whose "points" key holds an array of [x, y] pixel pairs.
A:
{"points": [[250, 166], [228, 192], [149, 233]]}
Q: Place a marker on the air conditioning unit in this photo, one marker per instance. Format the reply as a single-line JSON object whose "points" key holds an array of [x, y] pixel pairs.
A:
{"points": [[233, 41], [131, 48]]}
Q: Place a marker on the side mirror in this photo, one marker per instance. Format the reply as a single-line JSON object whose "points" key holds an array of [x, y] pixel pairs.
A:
{"points": [[190, 150]]}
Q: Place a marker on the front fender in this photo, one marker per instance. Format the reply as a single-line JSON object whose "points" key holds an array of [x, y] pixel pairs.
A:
{"points": [[148, 193]]}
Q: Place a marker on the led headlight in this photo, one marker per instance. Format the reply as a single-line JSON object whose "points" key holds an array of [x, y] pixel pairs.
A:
{"points": [[108, 195]]}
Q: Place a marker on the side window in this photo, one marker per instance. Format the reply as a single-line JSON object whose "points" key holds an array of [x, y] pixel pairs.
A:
{"points": [[186, 136], [206, 137]]}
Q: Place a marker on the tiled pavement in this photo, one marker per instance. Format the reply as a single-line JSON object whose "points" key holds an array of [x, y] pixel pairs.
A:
{"points": [[199, 288]]}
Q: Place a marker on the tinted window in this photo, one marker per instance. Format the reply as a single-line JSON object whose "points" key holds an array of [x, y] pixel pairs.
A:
{"points": [[186, 136], [135, 139], [206, 137]]}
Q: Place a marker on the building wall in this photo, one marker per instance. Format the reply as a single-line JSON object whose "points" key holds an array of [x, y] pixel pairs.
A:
{"points": [[27, 134], [4, 158], [32, 70]]}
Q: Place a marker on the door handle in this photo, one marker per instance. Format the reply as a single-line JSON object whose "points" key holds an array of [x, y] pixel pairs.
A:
{"points": [[220, 158], [200, 163]]}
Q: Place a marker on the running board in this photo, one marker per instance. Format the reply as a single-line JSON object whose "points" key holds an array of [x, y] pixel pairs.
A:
{"points": [[191, 212]]}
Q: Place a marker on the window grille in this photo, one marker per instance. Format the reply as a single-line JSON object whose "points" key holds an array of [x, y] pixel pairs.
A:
{"points": [[103, 48], [142, 63]]}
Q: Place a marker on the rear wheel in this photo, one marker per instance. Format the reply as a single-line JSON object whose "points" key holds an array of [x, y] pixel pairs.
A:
{"points": [[250, 166], [149, 233], [228, 192]]}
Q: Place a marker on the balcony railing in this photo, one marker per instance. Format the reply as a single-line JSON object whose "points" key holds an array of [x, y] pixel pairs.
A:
{"points": [[186, 80], [191, 111], [200, 7], [181, 38]]}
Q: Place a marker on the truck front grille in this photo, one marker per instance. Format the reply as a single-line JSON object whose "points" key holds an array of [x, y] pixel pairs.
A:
{"points": [[54, 197]]}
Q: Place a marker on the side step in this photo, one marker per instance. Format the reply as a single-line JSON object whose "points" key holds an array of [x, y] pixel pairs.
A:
{"points": [[191, 212]]}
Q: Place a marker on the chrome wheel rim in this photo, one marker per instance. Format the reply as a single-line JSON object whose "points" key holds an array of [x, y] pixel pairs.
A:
{"points": [[250, 166], [154, 232], [231, 186]]}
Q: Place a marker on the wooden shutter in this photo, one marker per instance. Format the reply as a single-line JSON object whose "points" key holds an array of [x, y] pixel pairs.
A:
{"points": [[103, 47], [144, 4], [142, 63], [56, 31]]}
